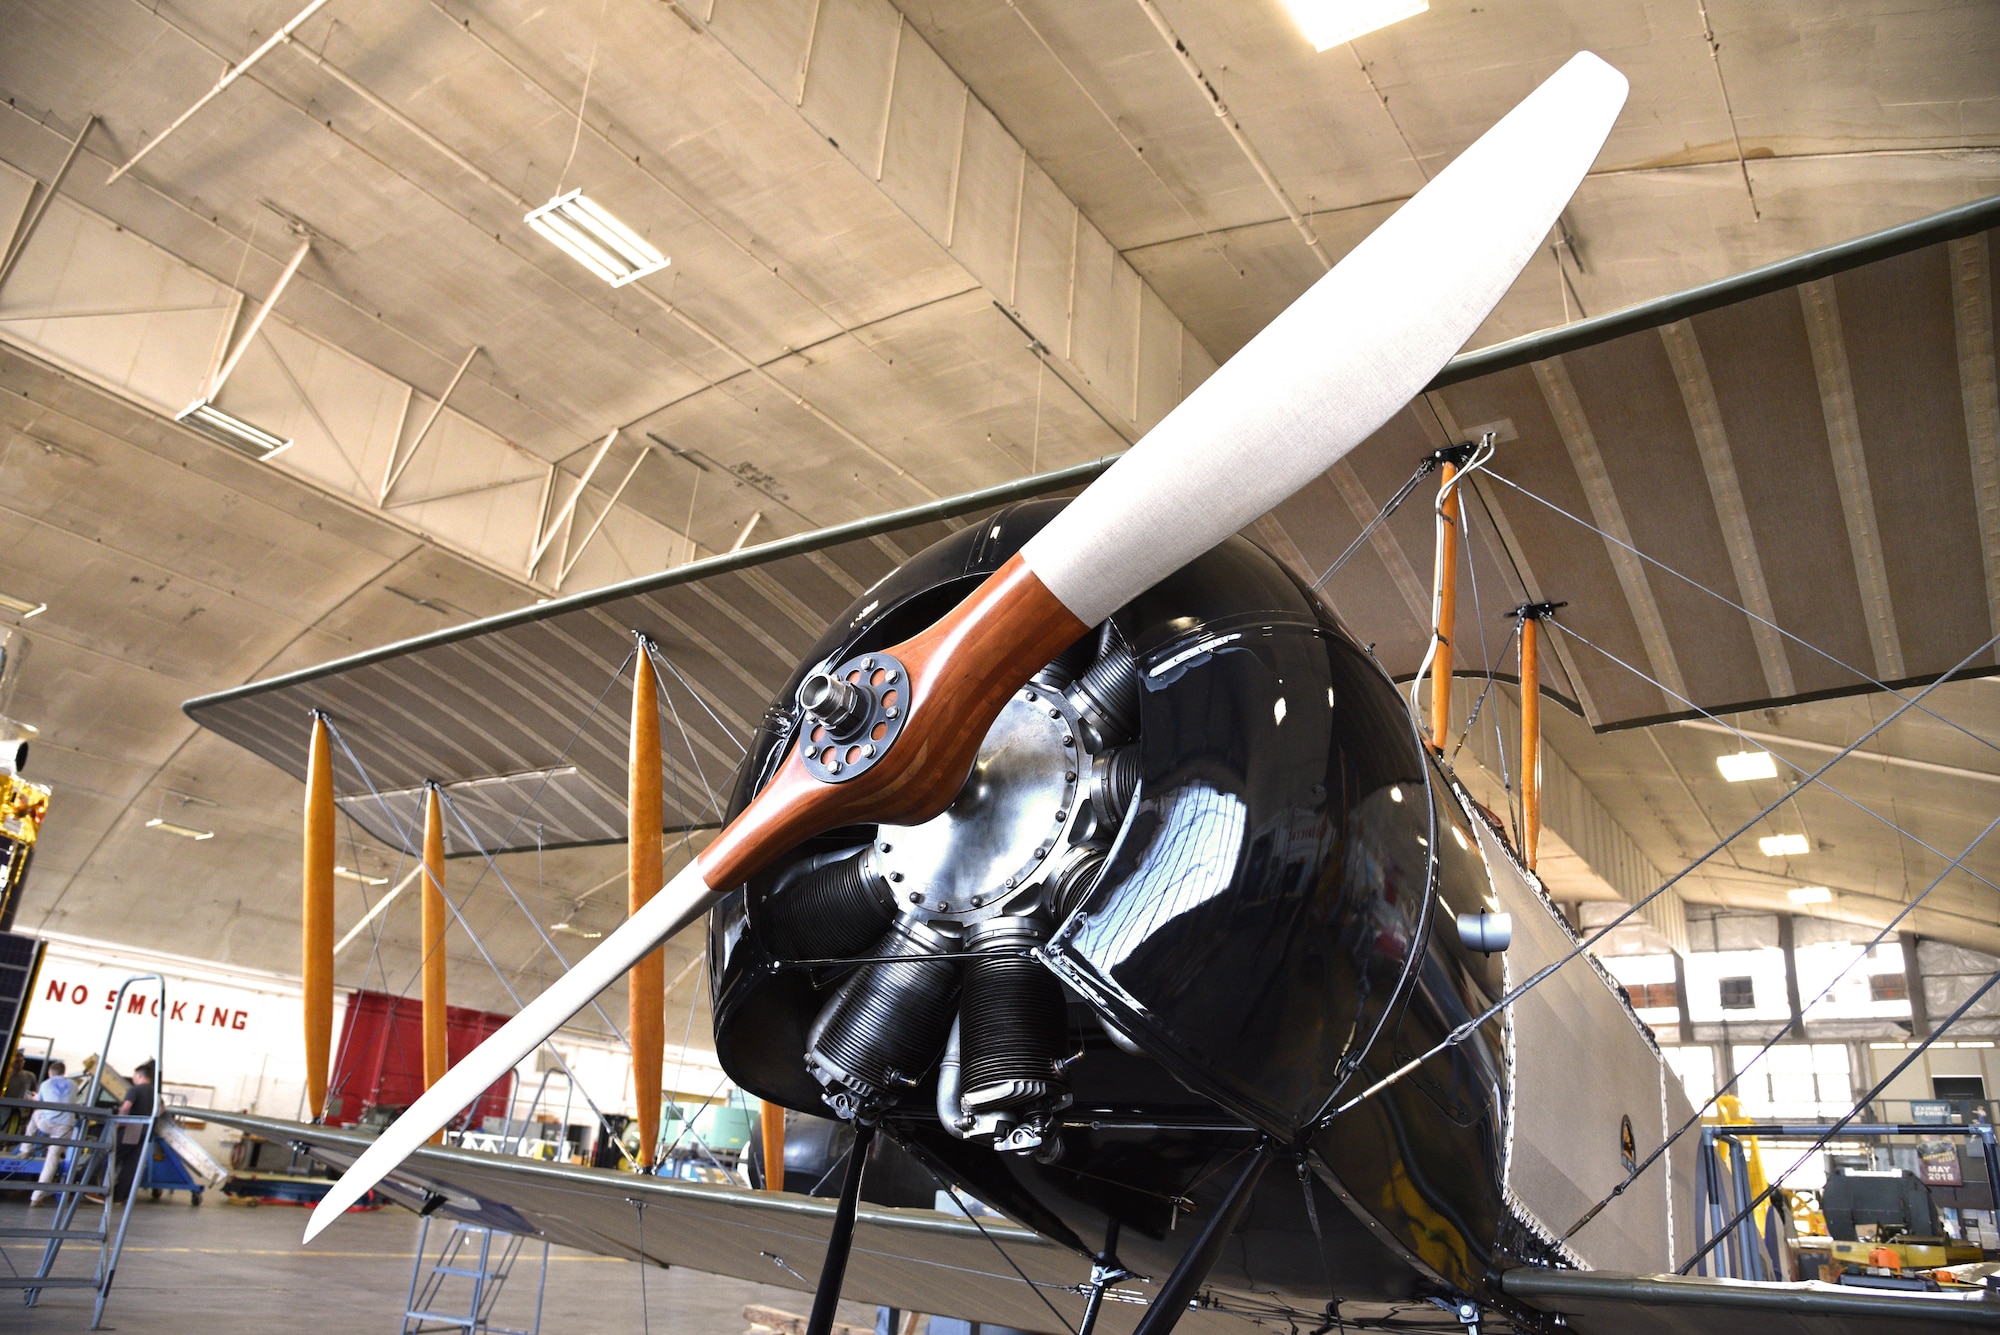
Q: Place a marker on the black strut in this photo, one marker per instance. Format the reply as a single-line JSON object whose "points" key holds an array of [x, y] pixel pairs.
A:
{"points": [[1104, 1272], [833, 1272], [1201, 1255]]}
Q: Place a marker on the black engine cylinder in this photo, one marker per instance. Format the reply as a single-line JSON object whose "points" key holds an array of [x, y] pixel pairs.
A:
{"points": [[830, 906], [1107, 694], [1013, 1022], [884, 1029]]}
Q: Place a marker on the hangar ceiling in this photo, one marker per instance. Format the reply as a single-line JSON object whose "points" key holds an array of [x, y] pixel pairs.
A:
{"points": [[915, 251]]}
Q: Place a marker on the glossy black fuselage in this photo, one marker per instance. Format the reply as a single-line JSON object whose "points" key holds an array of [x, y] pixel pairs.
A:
{"points": [[1273, 932]]}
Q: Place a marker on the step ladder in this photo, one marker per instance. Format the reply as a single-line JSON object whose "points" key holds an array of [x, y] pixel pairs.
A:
{"points": [[472, 1266], [90, 1167]]}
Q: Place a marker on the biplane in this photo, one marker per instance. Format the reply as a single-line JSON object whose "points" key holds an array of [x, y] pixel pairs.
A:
{"points": [[1095, 849]]}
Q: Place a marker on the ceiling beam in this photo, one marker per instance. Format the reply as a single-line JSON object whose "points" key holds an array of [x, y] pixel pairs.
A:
{"points": [[229, 76], [30, 219], [1827, 749], [394, 472], [1186, 60]]}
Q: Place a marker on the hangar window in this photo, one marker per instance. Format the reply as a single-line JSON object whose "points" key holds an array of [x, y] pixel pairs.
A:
{"points": [[1795, 1080], [1650, 996], [1888, 987], [1738, 994], [1695, 1065]]}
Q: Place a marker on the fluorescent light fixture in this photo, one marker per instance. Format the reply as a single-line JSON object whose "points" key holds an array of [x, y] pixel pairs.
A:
{"points": [[1747, 765], [376, 911], [1328, 23], [586, 231], [1784, 845], [234, 432], [346, 875], [22, 606], [183, 831], [1810, 894]]}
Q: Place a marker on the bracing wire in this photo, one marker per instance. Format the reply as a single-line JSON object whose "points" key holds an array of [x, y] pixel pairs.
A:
{"points": [[1469, 1027], [1862, 807], [1866, 678], [1818, 1144], [645, 1314], [498, 975], [1634, 1173], [1381, 517], [1034, 1288], [660, 658], [449, 805], [687, 739]]}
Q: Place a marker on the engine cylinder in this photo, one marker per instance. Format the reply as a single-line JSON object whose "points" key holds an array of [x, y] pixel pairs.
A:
{"points": [[887, 1024], [1013, 1021], [1114, 776], [1107, 694], [830, 906]]}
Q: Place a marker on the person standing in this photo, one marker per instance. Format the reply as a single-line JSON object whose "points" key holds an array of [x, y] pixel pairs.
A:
{"points": [[20, 1085], [55, 1122], [132, 1139]]}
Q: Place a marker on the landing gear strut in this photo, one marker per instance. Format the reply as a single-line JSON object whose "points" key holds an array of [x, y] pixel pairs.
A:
{"points": [[1202, 1254], [833, 1273]]}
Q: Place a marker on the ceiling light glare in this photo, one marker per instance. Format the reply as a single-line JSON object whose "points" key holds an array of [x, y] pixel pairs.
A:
{"points": [[1747, 765], [1328, 23], [587, 232], [234, 432], [185, 832], [22, 607], [1784, 845], [346, 875], [1810, 894]]}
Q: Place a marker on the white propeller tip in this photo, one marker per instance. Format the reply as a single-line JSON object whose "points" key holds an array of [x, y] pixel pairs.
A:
{"points": [[330, 1208], [1589, 63]]}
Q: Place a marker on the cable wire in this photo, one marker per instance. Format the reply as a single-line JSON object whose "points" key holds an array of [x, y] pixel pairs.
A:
{"points": [[1633, 1174], [1469, 1027], [1866, 677], [1834, 1130]]}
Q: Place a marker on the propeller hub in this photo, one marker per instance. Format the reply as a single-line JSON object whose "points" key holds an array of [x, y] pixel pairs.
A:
{"points": [[853, 713]]}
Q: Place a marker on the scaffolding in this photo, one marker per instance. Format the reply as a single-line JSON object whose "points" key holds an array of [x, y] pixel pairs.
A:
{"points": [[481, 1258], [89, 1153]]}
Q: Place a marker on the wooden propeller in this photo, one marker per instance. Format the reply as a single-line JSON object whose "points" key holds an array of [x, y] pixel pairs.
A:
{"points": [[1320, 379]]}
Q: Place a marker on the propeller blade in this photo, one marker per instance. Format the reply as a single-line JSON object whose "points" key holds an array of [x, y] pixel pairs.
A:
{"points": [[1342, 359], [683, 900], [1318, 381]]}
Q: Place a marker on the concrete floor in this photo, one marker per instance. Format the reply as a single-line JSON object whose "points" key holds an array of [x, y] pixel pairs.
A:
{"points": [[227, 1269]]}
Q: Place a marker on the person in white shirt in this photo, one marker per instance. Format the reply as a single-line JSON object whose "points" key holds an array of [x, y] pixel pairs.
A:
{"points": [[56, 1087]]}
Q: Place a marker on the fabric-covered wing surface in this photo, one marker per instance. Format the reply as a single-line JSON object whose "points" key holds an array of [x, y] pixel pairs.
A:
{"points": [[522, 720], [916, 1260], [1599, 1304], [1815, 441]]}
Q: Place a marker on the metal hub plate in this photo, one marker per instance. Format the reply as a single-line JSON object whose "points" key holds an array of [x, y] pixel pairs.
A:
{"points": [[1005, 829], [886, 686]]}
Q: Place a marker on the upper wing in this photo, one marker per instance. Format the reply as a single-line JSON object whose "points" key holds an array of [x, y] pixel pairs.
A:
{"points": [[1809, 439]]}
